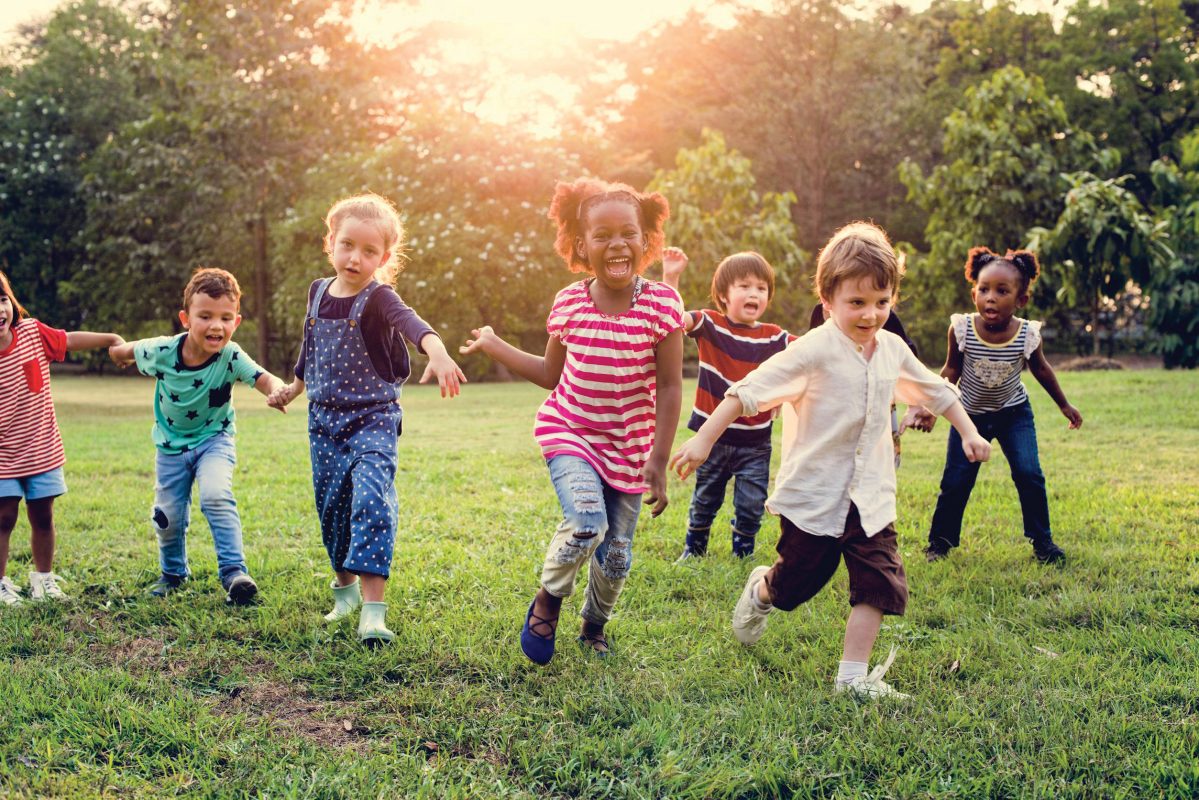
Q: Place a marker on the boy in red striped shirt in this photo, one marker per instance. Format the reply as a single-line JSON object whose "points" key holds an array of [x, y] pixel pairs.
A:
{"points": [[732, 343]]}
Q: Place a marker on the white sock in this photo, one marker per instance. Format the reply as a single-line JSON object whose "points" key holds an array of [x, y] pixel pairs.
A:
{"points": [[39, 574], [848, 670], [763, 607]]}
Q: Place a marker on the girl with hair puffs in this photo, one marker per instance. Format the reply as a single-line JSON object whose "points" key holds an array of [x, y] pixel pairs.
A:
{"points": [[613, 365], [987, 351]]}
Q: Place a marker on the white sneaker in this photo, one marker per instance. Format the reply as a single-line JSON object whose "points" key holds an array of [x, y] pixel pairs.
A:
{"points": [[10, 593], [873, 685], [749, 620], [42, 587]]}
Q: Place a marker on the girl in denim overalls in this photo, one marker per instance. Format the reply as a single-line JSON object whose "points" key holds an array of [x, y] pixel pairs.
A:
{"points": [[352, 365]]}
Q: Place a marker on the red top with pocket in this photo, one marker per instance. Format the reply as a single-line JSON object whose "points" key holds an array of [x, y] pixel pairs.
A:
{"points": [[30, 443]]}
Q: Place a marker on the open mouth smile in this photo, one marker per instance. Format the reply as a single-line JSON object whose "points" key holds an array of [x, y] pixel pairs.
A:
{"points": [[619, 267]]}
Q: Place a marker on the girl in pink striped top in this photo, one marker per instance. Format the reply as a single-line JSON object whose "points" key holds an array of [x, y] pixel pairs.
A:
{"points": [[613, 364]]}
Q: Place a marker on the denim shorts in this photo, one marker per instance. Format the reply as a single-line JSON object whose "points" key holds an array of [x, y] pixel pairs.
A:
{"points": [[35, 487]]}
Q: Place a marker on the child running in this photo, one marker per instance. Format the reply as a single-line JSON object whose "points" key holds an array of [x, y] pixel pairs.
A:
{"points": [[353, 364], [194, 429], [31, 449], [613, 364], [835, 492], [987, 352], [732, 341]]}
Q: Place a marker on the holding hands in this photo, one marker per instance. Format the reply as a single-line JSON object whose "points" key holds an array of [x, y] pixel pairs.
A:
{"points": [[918, 418]]}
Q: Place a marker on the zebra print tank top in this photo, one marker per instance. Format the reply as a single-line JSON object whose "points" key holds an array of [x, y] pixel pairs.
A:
{"points": [[991, 372]]}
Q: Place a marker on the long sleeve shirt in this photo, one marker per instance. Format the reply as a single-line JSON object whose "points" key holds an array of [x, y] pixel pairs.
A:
{"points": [[837, 424]]}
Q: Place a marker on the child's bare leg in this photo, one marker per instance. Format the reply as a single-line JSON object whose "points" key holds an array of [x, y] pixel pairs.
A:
{"points": [[861, 630], [373, 587], [345, 578], [41, 520], [547, 607], [8, 520]]}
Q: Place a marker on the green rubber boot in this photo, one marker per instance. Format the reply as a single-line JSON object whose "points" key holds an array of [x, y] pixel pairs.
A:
{"points": [[345, 600], [372, 630]]}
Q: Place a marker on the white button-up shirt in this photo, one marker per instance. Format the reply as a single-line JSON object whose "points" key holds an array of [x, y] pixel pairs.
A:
{"points": [[837, 446]]}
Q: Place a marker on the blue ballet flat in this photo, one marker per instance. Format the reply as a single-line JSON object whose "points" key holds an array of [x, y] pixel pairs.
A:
{"points": [[539, 649]]}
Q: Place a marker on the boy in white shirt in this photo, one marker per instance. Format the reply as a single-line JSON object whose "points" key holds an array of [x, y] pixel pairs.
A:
{"points": [[835, 491]]}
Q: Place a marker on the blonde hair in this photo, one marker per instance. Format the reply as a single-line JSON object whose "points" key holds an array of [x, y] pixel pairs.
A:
{"points": [[859, 250], [378, 211]]}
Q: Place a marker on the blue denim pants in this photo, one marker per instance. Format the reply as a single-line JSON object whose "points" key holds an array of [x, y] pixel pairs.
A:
{"points": [[597, 526], [1017, 434], [210, 465], [749, 468]]}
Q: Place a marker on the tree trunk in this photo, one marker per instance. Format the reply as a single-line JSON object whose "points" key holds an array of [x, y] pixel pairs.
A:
{"points": [[262, 290], [1095, 323]]}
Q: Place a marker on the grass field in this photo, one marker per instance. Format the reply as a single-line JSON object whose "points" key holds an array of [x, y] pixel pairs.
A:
{"points": [[1027, 681]]}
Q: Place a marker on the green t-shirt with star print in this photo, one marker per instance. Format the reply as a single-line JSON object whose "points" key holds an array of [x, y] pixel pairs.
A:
{"points": [[192, 404]]}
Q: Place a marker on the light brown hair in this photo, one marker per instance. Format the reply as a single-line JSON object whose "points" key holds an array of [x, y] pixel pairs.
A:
{"points": [[859, 250]]}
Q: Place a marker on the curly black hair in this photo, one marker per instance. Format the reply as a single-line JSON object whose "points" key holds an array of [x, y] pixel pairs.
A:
{"points": [[1024, 262]]}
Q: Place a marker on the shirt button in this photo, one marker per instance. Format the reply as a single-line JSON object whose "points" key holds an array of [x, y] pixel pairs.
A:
{"points": [[859, 451]]}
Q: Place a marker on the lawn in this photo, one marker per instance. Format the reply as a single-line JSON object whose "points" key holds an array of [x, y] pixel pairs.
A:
{"points": [[1027, 681]]}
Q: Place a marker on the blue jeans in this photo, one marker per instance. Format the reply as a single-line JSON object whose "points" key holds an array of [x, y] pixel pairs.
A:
{"points": [[597, 525], [750, 467], [1017, 434], [211, 465]]}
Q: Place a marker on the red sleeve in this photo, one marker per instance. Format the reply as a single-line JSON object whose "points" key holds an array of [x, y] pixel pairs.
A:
{"points": [[54, 340]]}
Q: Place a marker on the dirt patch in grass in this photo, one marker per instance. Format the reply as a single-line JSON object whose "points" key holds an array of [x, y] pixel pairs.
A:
{"points": [[292, 711]]}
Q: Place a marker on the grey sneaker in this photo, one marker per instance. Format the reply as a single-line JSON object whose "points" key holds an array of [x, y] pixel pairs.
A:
{"points": [[10, 593], [239, 589], [44, 586], [749, 621], [165, 585], [872, 685]]}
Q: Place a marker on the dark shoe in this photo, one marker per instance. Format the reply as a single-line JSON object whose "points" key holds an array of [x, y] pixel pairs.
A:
{"points": [[166, 584], [1048, 553], [239, 589], [743, 546], [539, 649], [595, 643], [688, 555], [937, 549], [742, 552]]}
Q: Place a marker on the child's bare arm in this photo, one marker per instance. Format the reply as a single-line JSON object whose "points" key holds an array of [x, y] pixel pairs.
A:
{"points": [[267, 384], [122, 354], [669, 400], [674, 263], [1043, 372], [449, 375], [86, 340], [952, 371], [974, 445], [541, 370], [695, 451]]}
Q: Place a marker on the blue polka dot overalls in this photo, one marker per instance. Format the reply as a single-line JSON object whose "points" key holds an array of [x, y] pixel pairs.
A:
{"points": [[353, 424]]}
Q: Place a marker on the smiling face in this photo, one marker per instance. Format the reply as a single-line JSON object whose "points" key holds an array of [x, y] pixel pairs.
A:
{"points": [[998, 293], [7, 314], [613, 244], [746, 300], [859, 308], [357, 251], [210, 323]]}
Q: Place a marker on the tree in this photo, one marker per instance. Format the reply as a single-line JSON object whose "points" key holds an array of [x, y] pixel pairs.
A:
{"points": [[1006, 147], [1103, 240], [717, 210], [1174, 288]]}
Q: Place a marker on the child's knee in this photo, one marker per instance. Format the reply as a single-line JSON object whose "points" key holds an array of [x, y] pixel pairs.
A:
{"points": [[167, 521], [617, 560], [576, 538]]}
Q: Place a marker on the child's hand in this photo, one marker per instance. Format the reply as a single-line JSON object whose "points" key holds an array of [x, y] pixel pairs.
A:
{"points": [[918, 418], [280, 396], [655, 478], [674, 261], [449, 375], [690, 456], [484, 336], [121, 354], [976, 448], [1074, 415]]}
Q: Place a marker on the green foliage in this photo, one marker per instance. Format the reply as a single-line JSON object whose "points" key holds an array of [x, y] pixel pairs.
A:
{"points": [[1006, 148], [1027, 681], [717, 210], [1174, 286], [473, 203], [1103, 241]]}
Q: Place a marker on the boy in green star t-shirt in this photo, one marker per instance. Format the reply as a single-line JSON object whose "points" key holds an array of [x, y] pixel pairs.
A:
{"points": [[194, 374]]}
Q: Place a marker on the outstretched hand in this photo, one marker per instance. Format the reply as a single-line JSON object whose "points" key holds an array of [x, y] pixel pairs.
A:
{"points": [[449, 375], [690, 456], [484, 335], [674, 262]]}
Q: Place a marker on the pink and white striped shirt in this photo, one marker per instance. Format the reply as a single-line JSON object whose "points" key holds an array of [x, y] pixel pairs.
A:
{"points": [[603, 409], [30, 443]]}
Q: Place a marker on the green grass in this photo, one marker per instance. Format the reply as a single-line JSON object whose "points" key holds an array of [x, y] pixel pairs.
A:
{"points": [[1068, 682]]}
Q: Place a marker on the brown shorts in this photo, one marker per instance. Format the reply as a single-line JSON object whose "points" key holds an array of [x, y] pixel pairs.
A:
{"points": [[807, 562]]}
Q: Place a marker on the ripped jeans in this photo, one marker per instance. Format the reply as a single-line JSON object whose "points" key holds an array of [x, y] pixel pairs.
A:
{"points": [[597, 524], [210, 465]]}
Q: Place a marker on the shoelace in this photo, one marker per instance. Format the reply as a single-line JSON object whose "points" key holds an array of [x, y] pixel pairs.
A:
{"points": [[6, 583], [50, 584], [876, 675]]}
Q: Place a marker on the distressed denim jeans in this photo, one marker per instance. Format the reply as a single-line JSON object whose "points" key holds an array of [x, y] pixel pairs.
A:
{"points": [[210, 465], [749, 469], [597, 525]]}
